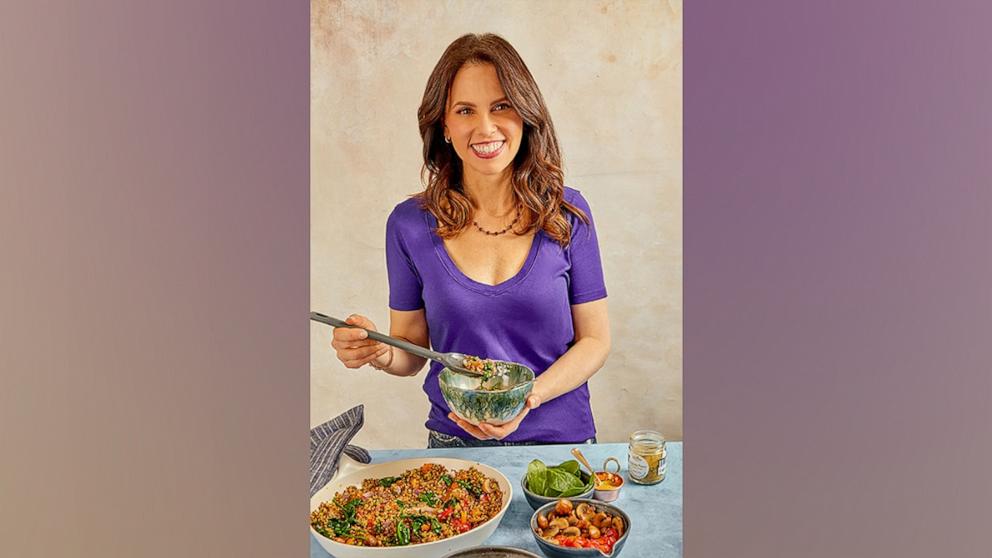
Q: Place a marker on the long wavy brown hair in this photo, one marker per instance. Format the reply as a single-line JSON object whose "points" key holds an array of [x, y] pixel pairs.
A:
{"points": [[537, 179]]}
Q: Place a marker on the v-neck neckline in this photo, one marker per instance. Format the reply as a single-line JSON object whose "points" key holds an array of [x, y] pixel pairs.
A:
{"points": [[449, 263]]}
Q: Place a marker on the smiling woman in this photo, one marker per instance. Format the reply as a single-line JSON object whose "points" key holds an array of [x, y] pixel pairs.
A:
{"points": [[496, 257], [480, 123], [482, 99]]}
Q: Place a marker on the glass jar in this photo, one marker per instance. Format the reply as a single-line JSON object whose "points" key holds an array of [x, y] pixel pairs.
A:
{"points": [[646, 457]]}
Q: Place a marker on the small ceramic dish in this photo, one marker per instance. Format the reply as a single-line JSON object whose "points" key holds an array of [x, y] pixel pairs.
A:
{"points": [[608, 485], [465, 398], [536, 500]]}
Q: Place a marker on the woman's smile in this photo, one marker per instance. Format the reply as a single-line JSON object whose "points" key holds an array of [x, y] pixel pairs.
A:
{"points": [[489, 149], [484, 128]]}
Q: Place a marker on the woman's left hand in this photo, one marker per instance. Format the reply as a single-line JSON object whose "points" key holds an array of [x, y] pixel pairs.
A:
{"points": [[486, 431]]}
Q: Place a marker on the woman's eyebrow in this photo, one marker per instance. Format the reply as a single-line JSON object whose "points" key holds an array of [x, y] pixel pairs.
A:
{"points": [[472, 105]]}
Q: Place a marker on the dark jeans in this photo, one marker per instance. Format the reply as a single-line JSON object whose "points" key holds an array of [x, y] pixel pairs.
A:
{"points": [[437, 439]]}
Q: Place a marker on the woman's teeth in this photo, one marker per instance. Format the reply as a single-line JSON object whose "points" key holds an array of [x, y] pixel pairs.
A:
{"points": [[487, 148]]}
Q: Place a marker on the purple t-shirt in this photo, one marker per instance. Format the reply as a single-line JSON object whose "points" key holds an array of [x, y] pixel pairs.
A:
{"points": [[525, 319]]}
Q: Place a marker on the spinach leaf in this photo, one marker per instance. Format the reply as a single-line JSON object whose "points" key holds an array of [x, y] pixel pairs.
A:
{"points": [[562, 480], [537, 477], [429, 498], [417, 523], [402, 534], [350, 508], [388, 481], [559, 481], [470, 487], [572, 466], [447, 480], [341, 527], [574, 491]]}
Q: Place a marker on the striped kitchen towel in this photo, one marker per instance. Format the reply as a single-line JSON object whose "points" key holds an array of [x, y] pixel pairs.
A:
{"points": [[328, 440]]}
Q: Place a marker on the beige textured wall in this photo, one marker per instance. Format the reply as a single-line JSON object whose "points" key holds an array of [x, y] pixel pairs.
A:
{"points": [[611, 73]]}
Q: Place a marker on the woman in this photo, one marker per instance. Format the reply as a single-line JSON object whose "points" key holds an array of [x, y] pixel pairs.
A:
{"points": [[496, 257]]}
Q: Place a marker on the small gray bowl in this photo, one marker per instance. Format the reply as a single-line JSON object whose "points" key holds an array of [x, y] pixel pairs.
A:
{"points": [[536, 500], [475, 405], [554, 551]]}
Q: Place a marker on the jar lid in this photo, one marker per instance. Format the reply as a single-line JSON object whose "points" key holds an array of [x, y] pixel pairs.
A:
{"points": [[648, 440]]}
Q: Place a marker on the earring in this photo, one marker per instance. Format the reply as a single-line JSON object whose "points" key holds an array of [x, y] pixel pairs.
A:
{"points": [[447, 139]]}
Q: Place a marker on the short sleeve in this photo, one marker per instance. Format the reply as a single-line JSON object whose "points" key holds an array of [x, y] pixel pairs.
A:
{"points": [[586, 282], [405, 286]]}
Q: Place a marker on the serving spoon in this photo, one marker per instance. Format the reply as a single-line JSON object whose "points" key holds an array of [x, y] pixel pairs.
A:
{"points": [[454, 361], [582, 459]]}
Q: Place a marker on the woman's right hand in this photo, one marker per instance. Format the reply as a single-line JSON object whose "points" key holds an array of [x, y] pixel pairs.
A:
{"points": [[353, 347]]}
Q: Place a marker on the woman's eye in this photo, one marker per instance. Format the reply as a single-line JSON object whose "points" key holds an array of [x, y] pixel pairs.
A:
{"points": [[501, 106], [464, 110]]}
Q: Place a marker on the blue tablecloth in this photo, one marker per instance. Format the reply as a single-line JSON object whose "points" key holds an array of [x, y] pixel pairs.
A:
{"points": [[655, 511]]}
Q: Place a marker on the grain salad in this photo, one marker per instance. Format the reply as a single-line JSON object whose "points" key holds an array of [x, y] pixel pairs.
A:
{"points": [[490, 370], [425, 504]]}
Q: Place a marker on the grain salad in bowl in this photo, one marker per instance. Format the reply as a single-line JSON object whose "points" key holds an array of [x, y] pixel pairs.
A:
{"points": [[423, 504], [491, 371], [495, 399]]}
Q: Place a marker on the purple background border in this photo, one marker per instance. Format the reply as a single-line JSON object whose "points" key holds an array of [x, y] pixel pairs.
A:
{"points": [[838, 308], [155, 277], [838, 279]]}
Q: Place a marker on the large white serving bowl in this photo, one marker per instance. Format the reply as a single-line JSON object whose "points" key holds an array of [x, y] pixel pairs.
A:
{"points": [[351, 472]]}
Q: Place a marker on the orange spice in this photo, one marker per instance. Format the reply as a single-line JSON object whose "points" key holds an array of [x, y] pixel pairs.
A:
{"points": [[607, 481]]}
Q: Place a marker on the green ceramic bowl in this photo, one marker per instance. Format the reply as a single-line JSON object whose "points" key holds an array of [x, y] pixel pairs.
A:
{"points": [[475, 405]]}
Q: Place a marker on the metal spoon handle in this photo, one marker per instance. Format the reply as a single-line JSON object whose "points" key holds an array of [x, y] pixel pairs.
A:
{"points": [[582, 459], [398, 343]]}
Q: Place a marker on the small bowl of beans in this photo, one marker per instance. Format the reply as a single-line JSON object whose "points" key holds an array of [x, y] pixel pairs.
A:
{"points": [[579, 528]]}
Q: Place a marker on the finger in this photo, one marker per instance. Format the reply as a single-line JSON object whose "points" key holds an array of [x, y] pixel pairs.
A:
{"points": [[349, 363], [349, 334], [360, 321], [475, 432], [361, 357], [504, 430], [342, 344], [468, 427], [367, 353], [533, 401], [493, 431], [461, 423]]}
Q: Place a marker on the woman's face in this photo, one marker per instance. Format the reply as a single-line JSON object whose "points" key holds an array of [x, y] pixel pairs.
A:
{"points": [[484, 128]]}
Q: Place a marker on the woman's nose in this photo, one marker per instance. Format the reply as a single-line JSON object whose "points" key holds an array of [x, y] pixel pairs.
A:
{"points": [[487, 126]]}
